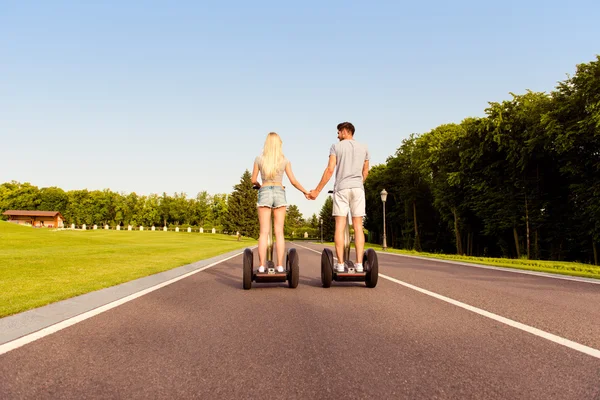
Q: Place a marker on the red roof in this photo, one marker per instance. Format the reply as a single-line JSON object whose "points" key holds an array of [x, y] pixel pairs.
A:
{"points": [[32, 213]]}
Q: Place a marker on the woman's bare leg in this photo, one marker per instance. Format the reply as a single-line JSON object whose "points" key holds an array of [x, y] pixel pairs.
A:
{"points": [[279, 217], [264, 219]]}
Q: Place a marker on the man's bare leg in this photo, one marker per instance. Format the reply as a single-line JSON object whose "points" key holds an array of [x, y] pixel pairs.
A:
{"points": [[340, 230], [359, 238]]}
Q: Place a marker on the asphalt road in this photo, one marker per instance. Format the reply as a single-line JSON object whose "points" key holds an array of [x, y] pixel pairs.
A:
{"points": [[205, 337]]}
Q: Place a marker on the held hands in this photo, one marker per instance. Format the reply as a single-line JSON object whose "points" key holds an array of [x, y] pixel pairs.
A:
{"points": [[312, 195]]}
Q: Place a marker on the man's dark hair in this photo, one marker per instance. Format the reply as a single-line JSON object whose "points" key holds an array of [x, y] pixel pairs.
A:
{"points": [[346, 125]]}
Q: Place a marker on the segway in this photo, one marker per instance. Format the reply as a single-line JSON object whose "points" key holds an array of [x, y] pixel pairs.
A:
{"points": [[291, 274], [370, 273]]}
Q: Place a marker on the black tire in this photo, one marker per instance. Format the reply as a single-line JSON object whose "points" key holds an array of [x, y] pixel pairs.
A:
{"points": [[372, 268], [326, 268], [293, 268], [248, 268]]}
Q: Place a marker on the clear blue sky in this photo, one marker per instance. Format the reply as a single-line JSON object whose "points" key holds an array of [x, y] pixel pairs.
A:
{"points": [[157, 96]]}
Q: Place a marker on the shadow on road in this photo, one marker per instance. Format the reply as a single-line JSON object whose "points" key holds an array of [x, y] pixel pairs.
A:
{"points": [[232, 277]]}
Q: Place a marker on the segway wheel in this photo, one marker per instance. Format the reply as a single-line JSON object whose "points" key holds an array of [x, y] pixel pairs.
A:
{"points": [[372, 268], [326, 268], [248, 268], [293, 268]]}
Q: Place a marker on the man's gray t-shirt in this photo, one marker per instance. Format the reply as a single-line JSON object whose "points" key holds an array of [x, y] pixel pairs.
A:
{"points": [[350, 159]]}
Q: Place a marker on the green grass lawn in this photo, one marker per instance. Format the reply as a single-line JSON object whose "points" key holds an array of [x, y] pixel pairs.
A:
{"points": [[41, 266], [556, 267]]}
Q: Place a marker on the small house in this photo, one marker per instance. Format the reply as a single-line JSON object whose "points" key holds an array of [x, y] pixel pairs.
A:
{"points": [[47, 219]]}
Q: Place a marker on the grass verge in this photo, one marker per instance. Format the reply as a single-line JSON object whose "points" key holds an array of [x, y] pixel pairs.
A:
{"points": [[42, 266], [555, 267]]}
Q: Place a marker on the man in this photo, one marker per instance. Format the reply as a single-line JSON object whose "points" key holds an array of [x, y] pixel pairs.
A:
{"points": [[350, 161]]}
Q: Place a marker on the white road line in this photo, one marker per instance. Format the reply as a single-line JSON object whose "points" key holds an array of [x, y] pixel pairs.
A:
{"points": [[6, 347], [529, 329], [526, 328]]}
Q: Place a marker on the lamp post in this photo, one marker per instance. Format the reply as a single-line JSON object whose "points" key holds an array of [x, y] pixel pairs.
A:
{"points": [[321, 223], [383, 199]]}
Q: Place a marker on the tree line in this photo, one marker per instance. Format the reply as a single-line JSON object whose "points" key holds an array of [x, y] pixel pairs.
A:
{"points": [[521, 181], [108, 207], [227, 212]]}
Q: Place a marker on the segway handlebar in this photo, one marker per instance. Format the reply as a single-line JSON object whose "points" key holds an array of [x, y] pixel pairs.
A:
{"points": [[258, 187]]}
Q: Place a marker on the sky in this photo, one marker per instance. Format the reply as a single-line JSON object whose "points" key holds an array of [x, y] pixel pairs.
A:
{"points": [[178, 96]]}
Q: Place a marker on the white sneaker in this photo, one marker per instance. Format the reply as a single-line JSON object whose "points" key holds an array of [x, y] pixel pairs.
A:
{"points": [[358, 267], [280, 269], [261, 269], [340, 268]]}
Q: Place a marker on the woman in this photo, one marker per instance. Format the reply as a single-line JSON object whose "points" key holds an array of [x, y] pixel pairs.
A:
{"points": [[271, 196]]}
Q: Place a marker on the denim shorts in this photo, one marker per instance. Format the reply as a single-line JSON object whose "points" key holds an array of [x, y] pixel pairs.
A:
{"points": [[271, 196]]}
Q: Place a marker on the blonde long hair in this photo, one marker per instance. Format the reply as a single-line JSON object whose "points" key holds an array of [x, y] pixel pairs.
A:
{"points": [[272, 155]]}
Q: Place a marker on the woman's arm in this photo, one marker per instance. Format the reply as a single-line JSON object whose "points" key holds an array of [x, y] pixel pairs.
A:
{"points": [[292, 178], [255, 175]]}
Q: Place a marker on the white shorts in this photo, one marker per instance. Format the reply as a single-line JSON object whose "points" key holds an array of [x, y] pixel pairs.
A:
{"points": [[349, 199]]}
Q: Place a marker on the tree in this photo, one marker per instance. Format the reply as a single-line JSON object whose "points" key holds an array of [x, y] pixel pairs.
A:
{"points": [[201, 208], [53, 199], [132, 208], [444, 166], [293, 219], [505, 170], [218, 210], [149, 213], [313, 221], [410, 186], [120, 208], [165, 208], [574, 127], [242, 215], [326, 214], [375, 183], [101, 207], [20, 196], [178, 210]]}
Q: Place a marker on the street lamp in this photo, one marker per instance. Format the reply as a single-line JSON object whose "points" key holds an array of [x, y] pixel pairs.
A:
{"points": [[321, 222], [383, 199]]}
